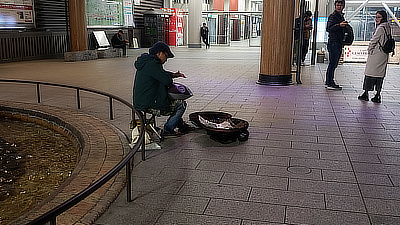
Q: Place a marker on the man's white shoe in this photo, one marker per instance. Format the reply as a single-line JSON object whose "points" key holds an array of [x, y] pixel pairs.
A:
{"points": [[333, 87]]}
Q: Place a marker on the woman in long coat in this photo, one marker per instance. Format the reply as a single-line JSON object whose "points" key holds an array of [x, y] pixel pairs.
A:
{"points": [[375, 69]]}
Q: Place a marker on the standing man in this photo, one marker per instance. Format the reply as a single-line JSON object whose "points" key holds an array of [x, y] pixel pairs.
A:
{"points": [[204, 34], [118, 42], [335, 27]]}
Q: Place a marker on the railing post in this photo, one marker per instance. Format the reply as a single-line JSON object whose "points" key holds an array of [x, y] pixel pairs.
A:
{"points": [[143, 126], [78, 98], [128, 182], [38, 92], [111, 109], [53, 221]]}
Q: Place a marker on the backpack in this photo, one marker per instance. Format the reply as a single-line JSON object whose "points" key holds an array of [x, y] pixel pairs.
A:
{"points": [[389, 44], [348, 37]]}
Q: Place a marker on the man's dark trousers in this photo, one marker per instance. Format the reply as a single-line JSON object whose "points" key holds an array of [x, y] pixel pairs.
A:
{"points": [[205, 40], [335, 51], [123, 46]]}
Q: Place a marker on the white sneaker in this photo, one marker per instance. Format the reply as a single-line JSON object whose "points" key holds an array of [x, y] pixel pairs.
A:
{"points": [[333, 87]]}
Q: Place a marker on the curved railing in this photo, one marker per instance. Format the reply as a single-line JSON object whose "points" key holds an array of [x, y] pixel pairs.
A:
{"points": [[51, 215]]}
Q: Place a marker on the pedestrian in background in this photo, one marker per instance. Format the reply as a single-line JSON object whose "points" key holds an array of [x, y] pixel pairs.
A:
{"points": [[307, 35], [377, 61], [204, 34], [118, 42], [335, 27]]}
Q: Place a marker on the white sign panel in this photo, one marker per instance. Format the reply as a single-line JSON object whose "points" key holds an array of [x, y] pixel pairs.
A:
{"points": [[321, 29], [16, 12], [101, 39], [355, 53], [128, 13]]}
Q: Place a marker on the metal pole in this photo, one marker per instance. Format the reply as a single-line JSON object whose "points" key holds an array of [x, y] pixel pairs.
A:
{"points": [[314, 43], [38, 92], [128, 182], [144, 145], [111, 109], [144, 149], [67, 25], [357, 10], [300, 46], [143, 126], [53, 221], [78, 98], [391, 13], [365, 25]]}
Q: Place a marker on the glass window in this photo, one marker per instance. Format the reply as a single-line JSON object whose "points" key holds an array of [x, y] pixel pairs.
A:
{"points": [[363, 22]]}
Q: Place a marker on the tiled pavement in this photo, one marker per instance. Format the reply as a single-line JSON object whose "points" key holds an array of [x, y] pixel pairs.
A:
{"points": [[314, 156]]}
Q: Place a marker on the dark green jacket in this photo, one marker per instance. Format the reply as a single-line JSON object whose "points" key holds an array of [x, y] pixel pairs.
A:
{"points": [[151, 83]]}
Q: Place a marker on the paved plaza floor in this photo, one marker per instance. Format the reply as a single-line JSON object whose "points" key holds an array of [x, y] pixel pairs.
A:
{"points": [[314, 156]]}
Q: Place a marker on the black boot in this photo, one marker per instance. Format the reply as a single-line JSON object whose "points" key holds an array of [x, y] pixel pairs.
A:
{"points": [[376, 99], [184, 127], [364, 96]]}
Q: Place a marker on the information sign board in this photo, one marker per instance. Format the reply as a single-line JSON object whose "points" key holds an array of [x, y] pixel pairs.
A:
{"points": [[104, 13], [128, 14], [356, 53], [16, 13]]}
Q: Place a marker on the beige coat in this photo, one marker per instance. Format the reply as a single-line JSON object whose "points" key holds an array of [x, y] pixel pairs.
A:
{"points": [[377, 59]]}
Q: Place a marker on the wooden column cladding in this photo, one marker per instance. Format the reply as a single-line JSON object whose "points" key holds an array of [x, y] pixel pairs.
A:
{"points": [[276, 42], [77, 22]]}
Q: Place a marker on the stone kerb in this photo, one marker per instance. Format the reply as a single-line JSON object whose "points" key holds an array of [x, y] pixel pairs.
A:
{"points": [[109, 53], [80, 56], [101, 147]]}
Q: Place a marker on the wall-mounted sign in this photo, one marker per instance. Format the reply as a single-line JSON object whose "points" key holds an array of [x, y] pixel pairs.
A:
{"points": [[321, 29], [357, 53], [128, 14], [104, 13], [16, 13]]}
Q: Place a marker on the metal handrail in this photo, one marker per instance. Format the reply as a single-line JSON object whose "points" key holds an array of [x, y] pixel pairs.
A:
{"points": [[51, 215]]}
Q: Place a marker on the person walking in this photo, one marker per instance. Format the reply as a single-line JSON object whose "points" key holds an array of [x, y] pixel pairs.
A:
{"points": [[375, 69], [204, 35], [335, 27]]}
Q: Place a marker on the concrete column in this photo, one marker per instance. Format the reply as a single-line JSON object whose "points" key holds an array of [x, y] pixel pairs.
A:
{"points": [[167, 3], [247, 5], [195, 8], [297, 8], [276, 48], [242, 6], [77, 21], [226, 5]]}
